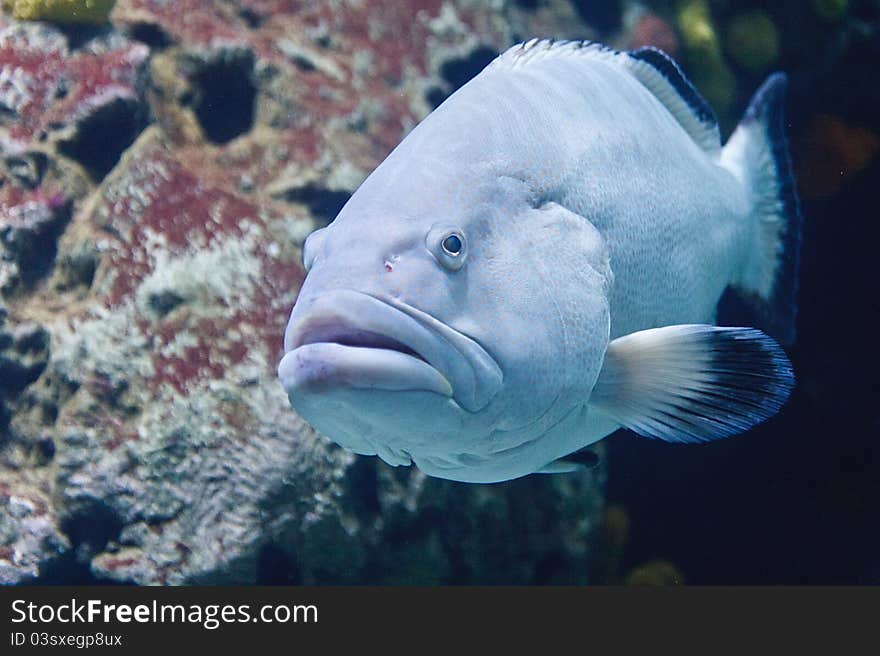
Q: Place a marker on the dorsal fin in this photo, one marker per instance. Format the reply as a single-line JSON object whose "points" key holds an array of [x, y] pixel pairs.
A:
{"points": [[662, 77], [657, 72]]}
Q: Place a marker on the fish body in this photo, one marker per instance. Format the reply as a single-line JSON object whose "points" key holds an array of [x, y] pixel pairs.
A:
{"points": [[539, 262]]}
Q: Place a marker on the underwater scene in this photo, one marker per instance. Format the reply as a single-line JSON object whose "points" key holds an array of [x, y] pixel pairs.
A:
{"points": [[439, 292]]}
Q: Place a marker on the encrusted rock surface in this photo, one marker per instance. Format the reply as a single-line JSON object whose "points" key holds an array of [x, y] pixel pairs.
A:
{"points": [[158, 177]]}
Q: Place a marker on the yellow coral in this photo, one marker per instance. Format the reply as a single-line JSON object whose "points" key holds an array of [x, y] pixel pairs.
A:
{"points": [[695, 24], [703, 48], [655, 573], [61, 11]]}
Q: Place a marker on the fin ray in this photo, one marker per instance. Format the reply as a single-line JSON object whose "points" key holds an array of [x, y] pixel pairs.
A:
{"points": [[738, 377]]}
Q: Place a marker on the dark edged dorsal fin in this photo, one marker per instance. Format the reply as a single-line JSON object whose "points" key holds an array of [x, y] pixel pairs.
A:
{"points": [[688, 107], [656, 71]]}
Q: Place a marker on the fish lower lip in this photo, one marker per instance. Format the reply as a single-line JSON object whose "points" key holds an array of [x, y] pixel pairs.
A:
{"points": [[327, 364]]}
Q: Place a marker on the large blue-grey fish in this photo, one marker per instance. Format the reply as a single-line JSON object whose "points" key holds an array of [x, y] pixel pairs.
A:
{"points": [[539, 263]]}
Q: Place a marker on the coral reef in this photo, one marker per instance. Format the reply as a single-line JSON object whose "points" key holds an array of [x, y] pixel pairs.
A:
{"points": [[86, 103], [158, 179]]}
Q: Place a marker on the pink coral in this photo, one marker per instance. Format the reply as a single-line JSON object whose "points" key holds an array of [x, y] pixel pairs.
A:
{"points": [[46, 87]]}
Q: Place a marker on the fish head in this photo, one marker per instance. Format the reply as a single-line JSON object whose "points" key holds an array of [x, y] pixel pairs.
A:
{"points": [[444, 323]]}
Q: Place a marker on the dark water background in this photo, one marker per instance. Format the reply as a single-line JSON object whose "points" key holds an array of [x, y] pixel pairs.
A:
{"points": [[796, 500]]}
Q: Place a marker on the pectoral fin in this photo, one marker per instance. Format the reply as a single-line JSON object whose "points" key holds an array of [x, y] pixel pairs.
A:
{"points": [[577, 461], [692, 383]]}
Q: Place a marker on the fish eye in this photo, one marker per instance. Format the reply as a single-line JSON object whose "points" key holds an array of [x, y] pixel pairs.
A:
{"points": [[452, 245], [448, 246]]}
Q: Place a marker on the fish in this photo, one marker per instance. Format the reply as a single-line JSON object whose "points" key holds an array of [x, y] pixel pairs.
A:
{"points": [[539, 263]]}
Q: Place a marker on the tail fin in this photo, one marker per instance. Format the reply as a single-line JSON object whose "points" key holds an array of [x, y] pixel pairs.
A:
{"points": [[757, 153]]}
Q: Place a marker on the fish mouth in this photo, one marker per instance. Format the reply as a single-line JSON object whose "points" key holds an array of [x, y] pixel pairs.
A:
{"points": [[357, 340], [335, 332]]}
